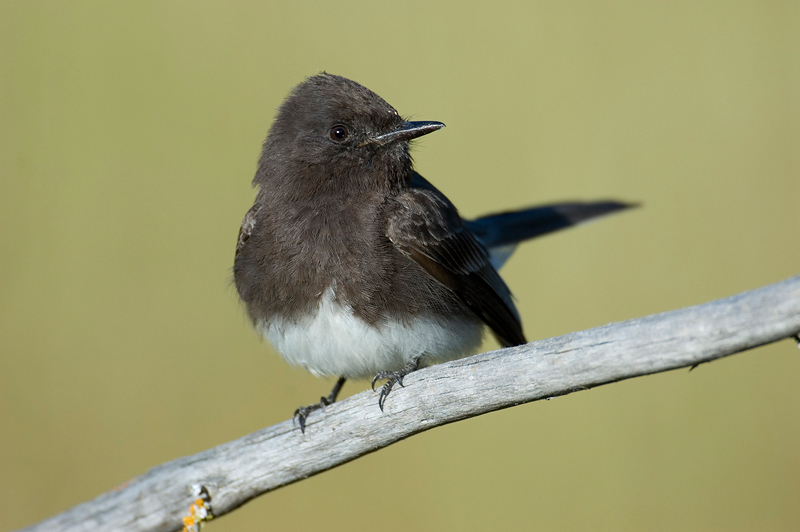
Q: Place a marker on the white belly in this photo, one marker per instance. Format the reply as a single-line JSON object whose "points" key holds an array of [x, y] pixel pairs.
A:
{"points": [[335, 342]]}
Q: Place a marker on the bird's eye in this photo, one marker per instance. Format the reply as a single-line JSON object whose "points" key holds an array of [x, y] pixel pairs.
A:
{"points": [[339, 133]]}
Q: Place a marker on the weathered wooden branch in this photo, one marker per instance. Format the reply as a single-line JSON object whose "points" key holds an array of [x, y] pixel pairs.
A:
{"points": [[235, 472]]}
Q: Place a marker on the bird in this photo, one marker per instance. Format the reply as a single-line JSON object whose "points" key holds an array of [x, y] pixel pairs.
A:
{"points": [[352, 265]]}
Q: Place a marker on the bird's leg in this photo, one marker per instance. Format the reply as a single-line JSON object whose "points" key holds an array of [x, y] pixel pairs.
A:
{"points": [[302, 413], [394, 377]]}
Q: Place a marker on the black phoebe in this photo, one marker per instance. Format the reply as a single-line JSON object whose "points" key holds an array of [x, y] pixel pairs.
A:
{"points": [[352, 264]]}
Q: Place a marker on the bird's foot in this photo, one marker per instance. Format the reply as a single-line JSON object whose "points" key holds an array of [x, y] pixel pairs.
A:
{"points": [[301, 414], [392, 378]]}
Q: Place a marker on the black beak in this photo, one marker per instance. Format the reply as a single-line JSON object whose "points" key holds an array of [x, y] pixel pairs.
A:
{"points": [[407, 131]]}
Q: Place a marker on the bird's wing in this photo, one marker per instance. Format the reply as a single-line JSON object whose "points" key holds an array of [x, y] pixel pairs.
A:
{"points": [[426, 227], [248, 224]]}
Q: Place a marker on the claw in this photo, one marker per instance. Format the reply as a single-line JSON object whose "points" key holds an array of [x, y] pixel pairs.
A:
{"points": [[390, 375], [301, 414], [393, 377], [382, 400], [385, 393]]}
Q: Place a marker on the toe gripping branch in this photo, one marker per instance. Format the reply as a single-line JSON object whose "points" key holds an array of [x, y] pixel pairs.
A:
{"points": [[301, 414], [392, 378]]}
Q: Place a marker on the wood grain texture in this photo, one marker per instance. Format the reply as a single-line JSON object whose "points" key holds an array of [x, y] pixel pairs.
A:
{"points": [[238, 471]]}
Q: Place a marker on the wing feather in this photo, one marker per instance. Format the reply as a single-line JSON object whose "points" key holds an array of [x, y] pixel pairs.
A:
{"points": [[425, 226]]}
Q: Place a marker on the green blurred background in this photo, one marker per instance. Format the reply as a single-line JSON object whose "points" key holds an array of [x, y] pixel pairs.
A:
{"points": [[129, 133]]}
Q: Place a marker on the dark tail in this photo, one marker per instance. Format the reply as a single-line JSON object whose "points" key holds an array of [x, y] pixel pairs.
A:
{"points": [[500, 233]]}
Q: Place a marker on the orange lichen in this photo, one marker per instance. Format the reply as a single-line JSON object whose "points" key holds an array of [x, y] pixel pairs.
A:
{"points": [[199, 511]]}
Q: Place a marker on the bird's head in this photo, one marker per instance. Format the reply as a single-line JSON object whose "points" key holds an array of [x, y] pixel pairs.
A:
{"points": [[336, 131]]}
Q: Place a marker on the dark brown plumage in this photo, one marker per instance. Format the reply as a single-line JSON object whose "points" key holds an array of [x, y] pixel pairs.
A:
{"points": [[351, 263]]}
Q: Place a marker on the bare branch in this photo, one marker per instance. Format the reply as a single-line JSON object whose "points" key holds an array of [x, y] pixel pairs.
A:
{"points": [[238, 471]]}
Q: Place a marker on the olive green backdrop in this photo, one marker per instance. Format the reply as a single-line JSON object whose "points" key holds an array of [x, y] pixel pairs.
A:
{"points": [[129, 133]]}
